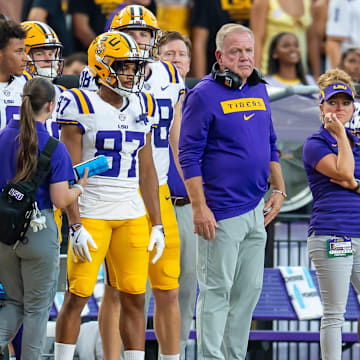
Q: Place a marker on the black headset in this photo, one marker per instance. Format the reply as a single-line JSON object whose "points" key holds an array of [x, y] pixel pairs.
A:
{"points": [[232, 80]]}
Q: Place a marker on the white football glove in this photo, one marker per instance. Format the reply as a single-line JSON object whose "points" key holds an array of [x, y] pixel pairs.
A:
{"points": [[38, 224], [157, 238], [38, 221], [79, 239]]}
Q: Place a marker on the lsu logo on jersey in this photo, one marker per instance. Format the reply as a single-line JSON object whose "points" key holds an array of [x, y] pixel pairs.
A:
{"points": [[238, 105]]}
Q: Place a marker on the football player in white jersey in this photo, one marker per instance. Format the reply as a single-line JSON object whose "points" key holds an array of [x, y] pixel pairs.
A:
{"points": [[12, 65], [115, 121], [43, 51], [163, 81], [354, 123], [44, 59]]}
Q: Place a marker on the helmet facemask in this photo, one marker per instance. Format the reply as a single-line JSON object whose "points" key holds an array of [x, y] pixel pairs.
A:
{"points": [[116, 68], [149, 52], [137, 17], [55, 66]]}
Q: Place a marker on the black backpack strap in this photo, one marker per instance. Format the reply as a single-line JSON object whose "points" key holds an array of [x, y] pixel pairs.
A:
{"points": [[44, 161], [50, 147]]}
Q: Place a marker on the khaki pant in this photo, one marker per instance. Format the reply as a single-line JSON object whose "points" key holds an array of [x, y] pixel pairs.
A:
{"points": [[29, 275], [334, 276], [230, 272]]}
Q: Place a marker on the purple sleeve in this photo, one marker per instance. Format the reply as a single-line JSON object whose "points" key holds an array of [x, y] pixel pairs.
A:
{"points": [[193, 134], [314, 150], [61, 165], [274, 152]]}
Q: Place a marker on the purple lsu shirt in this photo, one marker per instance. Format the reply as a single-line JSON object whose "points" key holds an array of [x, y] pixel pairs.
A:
{"points": [[336, 210], [227, 137], [61, 165]]}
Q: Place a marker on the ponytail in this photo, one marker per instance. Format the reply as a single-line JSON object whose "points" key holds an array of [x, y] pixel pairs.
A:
{"points": [[37, 93]]}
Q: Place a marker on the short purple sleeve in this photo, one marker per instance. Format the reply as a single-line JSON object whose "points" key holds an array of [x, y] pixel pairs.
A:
{"points": [[314, 150], [61, 165]]}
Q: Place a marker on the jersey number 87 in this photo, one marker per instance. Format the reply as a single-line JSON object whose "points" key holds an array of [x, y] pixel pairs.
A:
{"points": [[115, 153]]}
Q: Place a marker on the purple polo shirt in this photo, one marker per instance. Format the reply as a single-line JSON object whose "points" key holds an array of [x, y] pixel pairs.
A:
{"points": [[227, 137], [61, 165], [336, 211]]}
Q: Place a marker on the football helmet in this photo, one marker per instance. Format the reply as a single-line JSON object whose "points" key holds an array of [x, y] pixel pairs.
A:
{"points": [[40, 35], [139, 17], [108, 56]]}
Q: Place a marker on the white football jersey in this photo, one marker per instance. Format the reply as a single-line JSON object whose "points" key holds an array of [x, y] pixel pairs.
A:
{"points": [[11, 98], [166, 86], [118, 134], [87, 81], [354, 123], [52, 126]]}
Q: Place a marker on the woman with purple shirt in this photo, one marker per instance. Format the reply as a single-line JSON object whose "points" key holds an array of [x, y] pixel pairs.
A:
{"points": [[332, 162], [29, 271]]}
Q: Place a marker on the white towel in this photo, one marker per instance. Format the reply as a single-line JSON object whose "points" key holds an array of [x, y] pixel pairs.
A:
{"points": [[302, 292]]}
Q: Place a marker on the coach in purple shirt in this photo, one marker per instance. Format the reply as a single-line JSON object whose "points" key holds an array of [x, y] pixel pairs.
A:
{"points": [[227, 152]]}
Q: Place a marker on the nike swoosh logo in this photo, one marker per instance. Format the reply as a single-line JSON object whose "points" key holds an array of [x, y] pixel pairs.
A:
{"points": [[167, 197], [164, 87], [248, 117]]}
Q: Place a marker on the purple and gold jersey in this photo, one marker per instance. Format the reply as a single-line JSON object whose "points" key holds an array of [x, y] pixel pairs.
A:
{"points": [[166, 86], [118, 134], [87, 81]]}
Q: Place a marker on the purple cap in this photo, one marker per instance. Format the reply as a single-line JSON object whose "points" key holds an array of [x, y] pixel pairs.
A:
{"points": [[334, 89]]}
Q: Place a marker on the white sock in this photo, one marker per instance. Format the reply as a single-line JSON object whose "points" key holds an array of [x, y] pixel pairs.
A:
{"points": [[134, 355], [170, 357], [64, 351]]}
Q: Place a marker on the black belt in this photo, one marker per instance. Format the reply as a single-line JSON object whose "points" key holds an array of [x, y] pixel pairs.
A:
{"points": [[180, 201]]}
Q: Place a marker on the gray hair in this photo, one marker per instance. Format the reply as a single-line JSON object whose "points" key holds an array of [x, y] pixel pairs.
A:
{"points": [[227, 29]]}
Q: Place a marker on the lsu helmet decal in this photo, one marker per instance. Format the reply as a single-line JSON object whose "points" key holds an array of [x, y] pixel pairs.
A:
{"points": [[115, 61]]}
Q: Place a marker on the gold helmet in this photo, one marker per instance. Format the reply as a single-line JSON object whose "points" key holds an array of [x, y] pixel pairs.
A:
{"points": [[139, 17], [108, 54], [40, 35]]}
